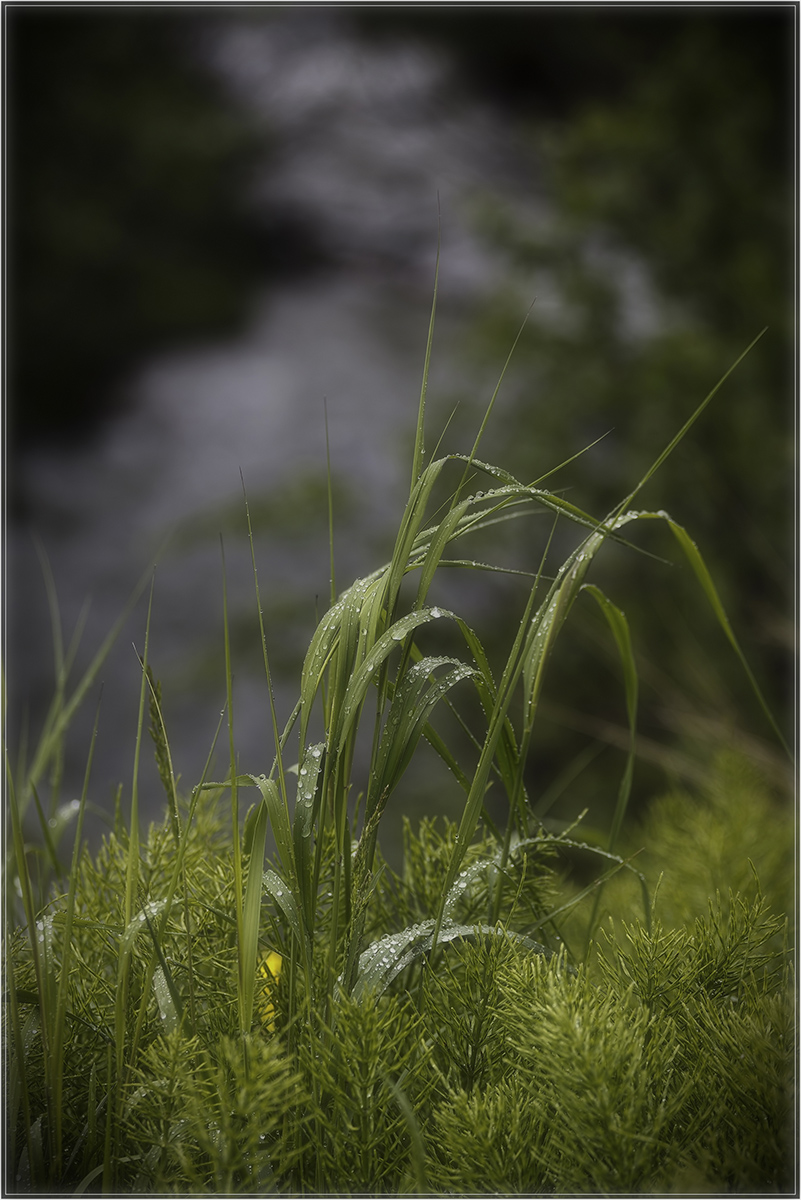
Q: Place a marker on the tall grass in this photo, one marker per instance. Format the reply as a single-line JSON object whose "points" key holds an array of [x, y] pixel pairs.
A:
{"points": [[223, 1022]]}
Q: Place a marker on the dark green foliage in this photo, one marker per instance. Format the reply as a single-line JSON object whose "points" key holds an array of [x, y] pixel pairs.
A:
{"points": [[215, 1122], [357, 1136], [608, 1087], [666, 1066], [186, 1015]]}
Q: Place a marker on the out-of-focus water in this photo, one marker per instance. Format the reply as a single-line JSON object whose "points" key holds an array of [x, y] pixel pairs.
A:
{"points": [[365, 139]]}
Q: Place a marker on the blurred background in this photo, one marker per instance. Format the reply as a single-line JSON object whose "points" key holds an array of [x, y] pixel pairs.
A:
{"points": [[222, 221]]}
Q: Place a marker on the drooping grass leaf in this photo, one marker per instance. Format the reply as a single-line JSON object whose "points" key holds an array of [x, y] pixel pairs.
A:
{"points": [[412, 703], [281, 894], [358, 685], [698, 565], [387, 958]]}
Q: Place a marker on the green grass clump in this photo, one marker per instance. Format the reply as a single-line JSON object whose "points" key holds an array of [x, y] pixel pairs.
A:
{"points": [[254, 1001]]}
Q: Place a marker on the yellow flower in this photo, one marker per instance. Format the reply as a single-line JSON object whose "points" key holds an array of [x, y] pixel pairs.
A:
{"points": [[270, 969]]}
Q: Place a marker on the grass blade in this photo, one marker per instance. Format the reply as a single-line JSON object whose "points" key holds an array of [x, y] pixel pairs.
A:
{"points": [[250, 918], [419, 437], [387, 958], [617, 622], [59, 1017], [660, 459], [698, 565]]}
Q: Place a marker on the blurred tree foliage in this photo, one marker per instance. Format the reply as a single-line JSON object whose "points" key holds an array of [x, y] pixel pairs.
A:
{"points": [[659, 245], [670, 249], [127, 205]]}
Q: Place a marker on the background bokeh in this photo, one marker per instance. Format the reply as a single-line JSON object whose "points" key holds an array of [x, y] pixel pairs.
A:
{"points": [[221, 220]]}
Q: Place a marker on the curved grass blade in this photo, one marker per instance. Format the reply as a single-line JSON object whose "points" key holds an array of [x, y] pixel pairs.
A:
{"points": [[281, 894], [385, 959], [415, 697], [616, 619], [307, 802], [693, 555], [168, 996], [356, 689], [278, 815]]}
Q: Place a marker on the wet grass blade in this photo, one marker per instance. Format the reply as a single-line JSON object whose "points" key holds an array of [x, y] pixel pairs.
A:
{"points": [[419, 437], [168, 996], [698, 565], [387, 958], [619, 626], [163, 755], [414, 699]]}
